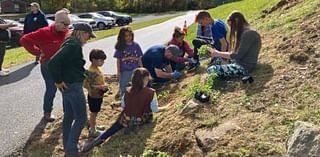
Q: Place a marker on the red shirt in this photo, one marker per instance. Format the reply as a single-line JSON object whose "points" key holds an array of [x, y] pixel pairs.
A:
{"points": [[45, 40], [184, 46]]}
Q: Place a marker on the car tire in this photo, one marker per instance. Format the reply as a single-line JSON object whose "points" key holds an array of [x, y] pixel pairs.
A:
{"points": [[120, 23], [101, 26]]}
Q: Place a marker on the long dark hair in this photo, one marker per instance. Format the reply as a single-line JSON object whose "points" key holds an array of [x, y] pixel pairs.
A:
{"points": [[237, 24], [121, 42], [138, 77]]}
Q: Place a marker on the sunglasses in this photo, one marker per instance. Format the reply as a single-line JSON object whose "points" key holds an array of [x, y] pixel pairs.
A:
{"points": [[65, 24]]}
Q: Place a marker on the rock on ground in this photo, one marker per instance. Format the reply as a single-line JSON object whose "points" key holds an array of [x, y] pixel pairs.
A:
{"points": [[305, 141]]}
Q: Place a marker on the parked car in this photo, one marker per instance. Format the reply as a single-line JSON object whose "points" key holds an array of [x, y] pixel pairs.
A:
{"points": [[16, 33], [120, 18], [50, 21], [75, 19], [102, 21]]}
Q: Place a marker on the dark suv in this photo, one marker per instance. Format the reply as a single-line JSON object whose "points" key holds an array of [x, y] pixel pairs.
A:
{"points": [[16, 33], [120, 19]]}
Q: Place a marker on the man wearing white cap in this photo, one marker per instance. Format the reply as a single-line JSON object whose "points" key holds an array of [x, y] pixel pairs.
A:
{"points": [[45, 42], [34, 20]]}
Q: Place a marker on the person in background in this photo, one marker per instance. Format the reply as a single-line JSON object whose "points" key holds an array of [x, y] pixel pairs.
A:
{"points": [[3, 43], [138, 103], [157, 60], [96, 86], [68, 73], [34, 20], [178, 39], [245, 44], [45, 42], [128, 54]]}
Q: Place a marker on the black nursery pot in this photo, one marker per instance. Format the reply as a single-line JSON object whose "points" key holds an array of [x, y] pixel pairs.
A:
{"points": [[202, 96]]}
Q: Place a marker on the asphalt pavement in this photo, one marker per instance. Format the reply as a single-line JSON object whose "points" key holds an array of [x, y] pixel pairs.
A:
{"points": [[21, 93]]}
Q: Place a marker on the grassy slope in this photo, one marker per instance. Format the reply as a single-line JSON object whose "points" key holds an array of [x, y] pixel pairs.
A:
{"points": [[286, 89], [20, 55]]}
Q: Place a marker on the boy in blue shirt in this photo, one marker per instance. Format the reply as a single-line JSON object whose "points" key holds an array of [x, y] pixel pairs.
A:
{"points": [[217, 36]]}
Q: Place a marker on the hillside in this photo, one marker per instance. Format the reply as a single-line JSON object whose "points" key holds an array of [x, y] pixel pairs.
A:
{"points": [[242, 119]]}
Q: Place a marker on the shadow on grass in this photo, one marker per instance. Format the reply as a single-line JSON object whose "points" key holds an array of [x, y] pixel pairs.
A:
{"points": [[261, 75], [17, 75], [126, 142], [42, 146]]}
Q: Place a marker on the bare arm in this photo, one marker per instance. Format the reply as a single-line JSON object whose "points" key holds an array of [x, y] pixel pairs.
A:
{"points": [[224, 44], [162, 74], [7, 25], [165, 107], [216, 53], [169, 68], [118, 68]]}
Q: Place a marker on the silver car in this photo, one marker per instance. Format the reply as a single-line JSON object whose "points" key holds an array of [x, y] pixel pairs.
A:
{"points": [[77, 19], [102, 21]]}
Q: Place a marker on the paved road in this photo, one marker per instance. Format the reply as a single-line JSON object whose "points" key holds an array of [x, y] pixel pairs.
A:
{"points": [[149, 17], [21, 93]]}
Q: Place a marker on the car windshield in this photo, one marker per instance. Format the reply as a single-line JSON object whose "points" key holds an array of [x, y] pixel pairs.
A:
{"points": [[97, 15], [74, 17], [115, 13]]}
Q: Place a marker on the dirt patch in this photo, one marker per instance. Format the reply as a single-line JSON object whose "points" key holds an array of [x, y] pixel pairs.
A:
{"points": [[282, 4]]}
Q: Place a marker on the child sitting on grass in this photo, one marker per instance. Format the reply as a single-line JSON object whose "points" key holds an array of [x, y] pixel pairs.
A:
{"points": [[138, 102], [96, 86]]}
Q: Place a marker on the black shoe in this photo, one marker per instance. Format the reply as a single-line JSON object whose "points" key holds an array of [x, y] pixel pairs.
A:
{"points": [[247, 79], [89, 146]]}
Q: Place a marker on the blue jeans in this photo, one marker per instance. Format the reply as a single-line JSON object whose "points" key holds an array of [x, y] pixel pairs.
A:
{"points": [[228, 70], [75, 116], [50, 89], [2, 53], [112, 130], [125, 78]]}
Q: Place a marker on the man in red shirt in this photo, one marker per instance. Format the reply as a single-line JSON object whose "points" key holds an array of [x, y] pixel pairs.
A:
{"points": [[45, 42]]}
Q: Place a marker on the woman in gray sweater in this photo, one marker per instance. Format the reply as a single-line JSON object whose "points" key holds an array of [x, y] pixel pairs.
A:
{"points": [[245, 44]]}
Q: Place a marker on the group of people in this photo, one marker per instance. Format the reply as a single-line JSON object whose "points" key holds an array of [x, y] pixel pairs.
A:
{"points": [[161, 63], [62, 67]]}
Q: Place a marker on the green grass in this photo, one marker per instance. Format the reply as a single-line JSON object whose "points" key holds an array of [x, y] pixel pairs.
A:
{"points": [[19, 55], [250, 8], [290, 18], [16, 56]]}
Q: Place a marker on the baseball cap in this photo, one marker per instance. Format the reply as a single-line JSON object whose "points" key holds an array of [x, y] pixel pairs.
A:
{"points": [[175, 50], [35, 4], [84, 27]]}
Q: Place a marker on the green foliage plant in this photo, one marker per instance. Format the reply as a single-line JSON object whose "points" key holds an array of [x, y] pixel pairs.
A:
{"points": [[207, 87], [203, 50]]}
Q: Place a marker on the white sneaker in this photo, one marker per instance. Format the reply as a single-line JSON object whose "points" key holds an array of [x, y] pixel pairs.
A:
{"points": [[3, 73], [6, 70]]}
